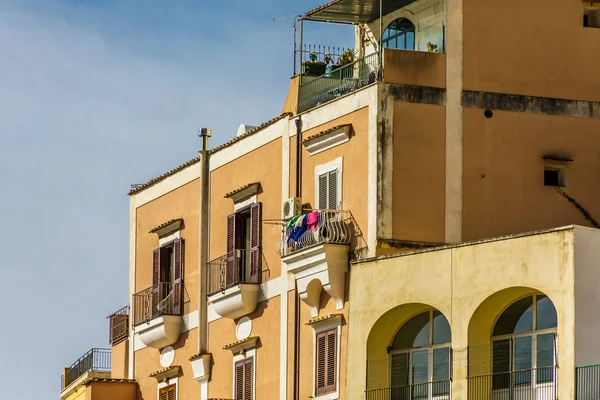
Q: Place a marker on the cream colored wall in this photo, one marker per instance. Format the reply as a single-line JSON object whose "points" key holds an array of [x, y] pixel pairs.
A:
{"points": [[113, 391], [182, 202], [414, 68], [79, 394], [419, 172], [261, 165], [119, 360], [470, 285], [265, 325], [354, 167], [503, 171], [587, 296], [147, 361], [531, 49]]}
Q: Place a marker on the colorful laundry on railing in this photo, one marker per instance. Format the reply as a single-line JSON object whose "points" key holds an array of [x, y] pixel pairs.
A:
{"points": [[312, 221]]}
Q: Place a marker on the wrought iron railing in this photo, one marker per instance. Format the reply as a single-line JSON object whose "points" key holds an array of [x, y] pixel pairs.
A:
{"points": [[119, 326], [338, 82], [233, 268], [93, 360], [587, 382], [528, 384], [438, 390], [166, 298], [332, 226]]}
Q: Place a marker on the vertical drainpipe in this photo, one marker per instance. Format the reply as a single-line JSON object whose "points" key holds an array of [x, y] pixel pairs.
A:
{"points": [[203, 245]]}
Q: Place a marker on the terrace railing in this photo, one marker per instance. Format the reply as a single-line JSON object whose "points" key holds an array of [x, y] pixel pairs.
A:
{"points": [[165, 298], [439, 390], [338, 82], [119, 326], [528, 384], [93, 360], [236, 267], [587, 382]]}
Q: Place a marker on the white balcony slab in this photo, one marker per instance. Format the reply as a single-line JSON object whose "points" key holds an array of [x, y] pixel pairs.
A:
{"points": [[160, 332], [236, 301]]}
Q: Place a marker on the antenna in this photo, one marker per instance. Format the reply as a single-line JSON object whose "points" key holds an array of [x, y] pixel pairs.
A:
{"points": [[295, 18]]}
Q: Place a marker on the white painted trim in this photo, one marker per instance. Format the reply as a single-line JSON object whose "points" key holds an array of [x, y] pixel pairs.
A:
{"points": [[283, 305], [166, 239], [190, 322], [372, 168], [328, 141], [240, 357], [335, 165], [268, 290], [247, 202], [337, 323], [169, 382], [132, 242], [204, 391], [167, 185]]}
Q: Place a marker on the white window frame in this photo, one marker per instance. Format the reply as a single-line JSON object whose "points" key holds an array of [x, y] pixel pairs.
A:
{"points": [[168, 382], [240, 357], [335, 165], [320, 327]]}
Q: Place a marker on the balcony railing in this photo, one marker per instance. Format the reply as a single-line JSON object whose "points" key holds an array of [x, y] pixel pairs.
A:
{"points": [[233, 268], [340, 81], [119, 326], [439, 390], [332, 226], [587, 382], [93, 360], [528, 384], [166, 298]]}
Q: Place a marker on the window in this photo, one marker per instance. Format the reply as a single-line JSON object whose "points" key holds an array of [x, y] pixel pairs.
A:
{"points": [[523, 344], [326, 362], [244, 240], [328, 185], [167, 278], [400, 34], [591, 15], [554, 175], [420, 357], [243, 379], [167, 393]]}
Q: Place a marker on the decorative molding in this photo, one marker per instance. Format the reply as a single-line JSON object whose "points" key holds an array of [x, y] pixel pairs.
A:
{"points": [[168, 227], [327, 139], [165, 374], [239, 194], [201, 367], [321, 324], [242, 345]]}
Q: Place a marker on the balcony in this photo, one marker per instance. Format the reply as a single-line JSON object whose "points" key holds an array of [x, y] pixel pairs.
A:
{"points": [[95, 360], [317, 254], [119, 326], [234, 281], [535, 383], [439, 390], [338, 82], [416, 68], [157, 314]]}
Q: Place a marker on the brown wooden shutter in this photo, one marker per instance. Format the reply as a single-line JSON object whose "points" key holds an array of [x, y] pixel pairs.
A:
{"points": [[178, 252], [167, 393], [255, 242], [243, 379], [171, 393], [326, 362], [230, 274]]}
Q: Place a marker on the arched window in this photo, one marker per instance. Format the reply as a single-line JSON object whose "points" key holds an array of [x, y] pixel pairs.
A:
{"points": [[523, 343], [400, 34], [420, 357]]}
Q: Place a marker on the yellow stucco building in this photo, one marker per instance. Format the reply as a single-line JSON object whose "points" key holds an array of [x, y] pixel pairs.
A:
{"points": [[417, 223]]}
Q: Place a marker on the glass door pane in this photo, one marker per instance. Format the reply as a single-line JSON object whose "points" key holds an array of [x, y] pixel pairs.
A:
{"points": [[545, 358], [399, 370], [523, 360], [420, 374], [501, 364], [441, 371]]}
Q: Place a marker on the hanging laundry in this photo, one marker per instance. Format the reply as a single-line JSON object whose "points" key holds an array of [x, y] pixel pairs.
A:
{"points": [[298, 229], [292, 221], [312, 221]]}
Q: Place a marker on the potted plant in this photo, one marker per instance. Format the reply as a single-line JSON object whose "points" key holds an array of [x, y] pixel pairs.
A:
{"points": [[313, 66], [346, 58]]}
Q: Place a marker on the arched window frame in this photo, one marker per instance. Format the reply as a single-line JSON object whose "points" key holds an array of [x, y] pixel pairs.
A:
{"points": [[442, 387], [543, 373], [385, 42]]}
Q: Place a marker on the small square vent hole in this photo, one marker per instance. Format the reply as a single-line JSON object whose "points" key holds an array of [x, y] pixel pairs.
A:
{"points": [[554, 176]]}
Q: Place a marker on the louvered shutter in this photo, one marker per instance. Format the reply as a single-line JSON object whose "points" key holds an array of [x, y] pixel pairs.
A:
{"points": [[239, 381], [152, 309], [171, 393], [163, 394], [255, 242], [326, 362], [179, 254], [167, 393], [231, 257], [248, 380], [243, 379], [331, 361], [322, 192], [332, 195]]}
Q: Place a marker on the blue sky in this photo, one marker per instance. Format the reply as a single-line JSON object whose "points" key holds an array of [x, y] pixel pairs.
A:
{"points": [[95, 96]]}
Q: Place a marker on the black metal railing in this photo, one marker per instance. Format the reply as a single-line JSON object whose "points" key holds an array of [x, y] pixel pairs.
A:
{"points": [[233, 268], [166, 298], [587, 382], [528, 384], [427, 390], [93, 360], [331, 226], [119, 326], [338, 82]]}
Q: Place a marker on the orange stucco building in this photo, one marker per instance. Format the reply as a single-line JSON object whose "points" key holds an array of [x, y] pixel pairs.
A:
{"points": [[452, 122]]}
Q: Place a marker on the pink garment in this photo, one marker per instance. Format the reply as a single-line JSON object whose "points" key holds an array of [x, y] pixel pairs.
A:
{"points": [[311, 221]]}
